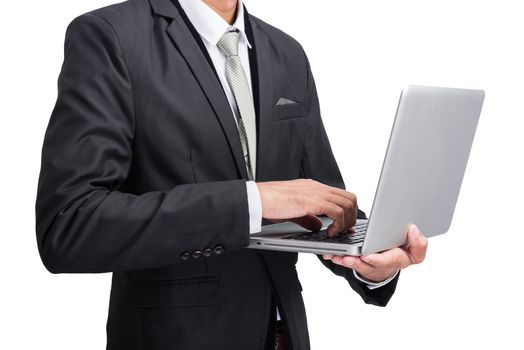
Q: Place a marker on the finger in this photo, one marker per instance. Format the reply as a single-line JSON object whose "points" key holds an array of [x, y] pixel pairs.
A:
{"points": [[333, 190], [350, 209], [354, 263], [309, 222], [393, 258], [327, 256], [376, 260], [334, 228], [340, 192], [333, 211], [417, 245]]}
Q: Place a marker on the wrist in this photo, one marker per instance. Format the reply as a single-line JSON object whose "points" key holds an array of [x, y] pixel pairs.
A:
{"points": [[373, 284]]}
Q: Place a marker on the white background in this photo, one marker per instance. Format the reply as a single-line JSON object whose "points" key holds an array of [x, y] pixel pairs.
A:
{"points": [[468, 294]]}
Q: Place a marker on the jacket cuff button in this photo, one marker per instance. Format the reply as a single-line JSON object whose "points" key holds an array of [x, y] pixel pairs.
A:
{"points": [[218, 250], [207, 252], [196, 254], [185, 256]]}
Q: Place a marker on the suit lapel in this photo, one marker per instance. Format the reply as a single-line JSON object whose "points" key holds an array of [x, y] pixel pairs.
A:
{"points": [[265, 98], [183, 40]]}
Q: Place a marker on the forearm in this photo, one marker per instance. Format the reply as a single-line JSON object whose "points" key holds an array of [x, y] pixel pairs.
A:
{"points": [[111, 231]]}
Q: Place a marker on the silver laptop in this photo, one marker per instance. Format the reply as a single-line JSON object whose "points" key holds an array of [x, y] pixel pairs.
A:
{"points": [[420, 181]]}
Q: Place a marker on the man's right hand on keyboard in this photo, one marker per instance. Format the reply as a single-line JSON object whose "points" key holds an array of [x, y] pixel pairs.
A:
{"points": [[300, 201]]}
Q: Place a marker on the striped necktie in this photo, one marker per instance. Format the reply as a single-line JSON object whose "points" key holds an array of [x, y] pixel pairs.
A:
{"points": [[236, 77]]}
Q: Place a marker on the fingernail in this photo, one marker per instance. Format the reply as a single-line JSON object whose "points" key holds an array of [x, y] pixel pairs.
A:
{"points": [[350, 262], [365, 258]]}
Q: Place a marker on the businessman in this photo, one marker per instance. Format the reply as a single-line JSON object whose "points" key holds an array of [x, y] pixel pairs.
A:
{"points": [[181, 126]]}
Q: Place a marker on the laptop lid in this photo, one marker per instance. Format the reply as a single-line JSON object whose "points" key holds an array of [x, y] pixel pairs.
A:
{"points": [[424, 164]]}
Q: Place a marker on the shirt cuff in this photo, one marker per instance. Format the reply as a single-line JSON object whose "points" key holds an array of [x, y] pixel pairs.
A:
{"points": [[255, 207], [374, 285]]}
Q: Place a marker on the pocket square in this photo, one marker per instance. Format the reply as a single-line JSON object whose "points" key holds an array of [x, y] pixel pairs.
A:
{"points": [[284, 101]]}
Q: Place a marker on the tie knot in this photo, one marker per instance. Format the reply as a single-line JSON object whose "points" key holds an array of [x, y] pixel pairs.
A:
{"points": [[228, 43]]}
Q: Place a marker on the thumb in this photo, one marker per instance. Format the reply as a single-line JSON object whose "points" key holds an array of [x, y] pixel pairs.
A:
{"points": [[418, 244], [310, 222]]}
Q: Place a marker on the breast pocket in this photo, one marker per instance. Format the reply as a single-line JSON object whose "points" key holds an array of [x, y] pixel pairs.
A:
{"points": [[288, 111]]}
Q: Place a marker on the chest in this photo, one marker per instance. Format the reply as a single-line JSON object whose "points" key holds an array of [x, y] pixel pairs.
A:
{"points": [[180, 113]]}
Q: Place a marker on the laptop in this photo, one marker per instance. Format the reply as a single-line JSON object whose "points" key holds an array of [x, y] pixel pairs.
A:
{"points": [[420, 180]]}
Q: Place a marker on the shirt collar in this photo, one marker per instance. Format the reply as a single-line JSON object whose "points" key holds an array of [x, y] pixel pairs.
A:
{"points": [[209, 24]]}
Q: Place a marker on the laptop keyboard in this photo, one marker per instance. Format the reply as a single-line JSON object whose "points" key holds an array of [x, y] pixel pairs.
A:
{"points": [[353, 237]]}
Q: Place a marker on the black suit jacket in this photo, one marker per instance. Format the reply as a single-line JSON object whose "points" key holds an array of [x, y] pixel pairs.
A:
{"points": [[143, 176]]}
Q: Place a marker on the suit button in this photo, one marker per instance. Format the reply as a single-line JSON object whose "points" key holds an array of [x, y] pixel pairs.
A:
{"points": [[218, 250], [196, 254], [207, 252], [185, 256]]}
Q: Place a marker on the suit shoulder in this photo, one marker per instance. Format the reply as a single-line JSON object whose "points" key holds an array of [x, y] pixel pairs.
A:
{"points": [[123, 16], [123, 23], [277, 37]]}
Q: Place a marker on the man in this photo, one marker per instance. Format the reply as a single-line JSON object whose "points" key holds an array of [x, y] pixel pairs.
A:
{"points": [[179, 125]]}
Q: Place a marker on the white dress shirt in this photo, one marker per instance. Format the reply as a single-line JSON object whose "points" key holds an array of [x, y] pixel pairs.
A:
{"points": [[211, 26]]}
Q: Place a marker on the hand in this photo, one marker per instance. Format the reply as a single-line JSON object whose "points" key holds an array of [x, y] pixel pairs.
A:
{"points": [[380, 266], [302, 200]]}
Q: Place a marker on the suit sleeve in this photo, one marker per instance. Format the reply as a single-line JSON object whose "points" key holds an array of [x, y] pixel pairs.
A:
{"points": [[318, 163], [84, 223]]}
